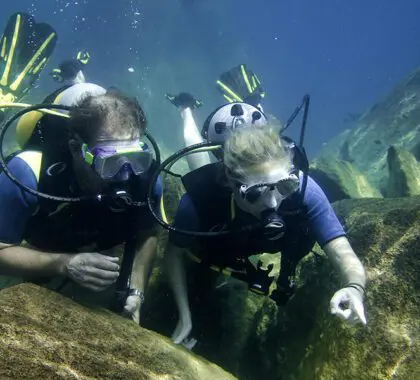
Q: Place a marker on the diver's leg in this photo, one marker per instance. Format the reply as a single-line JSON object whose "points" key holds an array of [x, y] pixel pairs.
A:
{"points": [[25, 48], [192, 136]]}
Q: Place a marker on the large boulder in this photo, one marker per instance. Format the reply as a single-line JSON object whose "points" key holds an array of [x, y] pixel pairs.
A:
{"points": [[395, 120], [254, 339], [44, 335], [339, 179], [404, 173], [386, 236], [416, 151]]}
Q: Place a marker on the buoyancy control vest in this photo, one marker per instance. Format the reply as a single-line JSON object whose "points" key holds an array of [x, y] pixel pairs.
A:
{"points": [[71, 226], [212, 198]]}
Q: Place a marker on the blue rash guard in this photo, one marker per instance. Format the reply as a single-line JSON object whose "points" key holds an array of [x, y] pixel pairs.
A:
{"points": [[320, 219], [17, 207]]}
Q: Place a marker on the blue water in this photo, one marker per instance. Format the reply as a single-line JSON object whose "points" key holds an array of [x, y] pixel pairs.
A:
{"points": [[347, 55]]}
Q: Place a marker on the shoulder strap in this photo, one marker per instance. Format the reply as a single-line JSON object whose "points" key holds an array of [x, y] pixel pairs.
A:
{"points": [[208, 190], [207, 182]]}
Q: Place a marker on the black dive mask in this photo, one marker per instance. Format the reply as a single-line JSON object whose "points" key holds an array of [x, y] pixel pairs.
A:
{"points": [[273, 224]]}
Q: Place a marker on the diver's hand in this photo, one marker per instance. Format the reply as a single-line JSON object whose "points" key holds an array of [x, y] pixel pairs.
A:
{"points": [[184, 100], [93, 270], [182, 329], [132, 308], [347, 303]]}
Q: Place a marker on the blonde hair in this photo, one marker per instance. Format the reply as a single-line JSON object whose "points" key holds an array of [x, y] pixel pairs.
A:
{"points": [[249, 147]]}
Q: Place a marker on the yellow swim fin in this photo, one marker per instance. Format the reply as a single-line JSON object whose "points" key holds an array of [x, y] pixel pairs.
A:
{"points": [[25, 47], [240, 84]]}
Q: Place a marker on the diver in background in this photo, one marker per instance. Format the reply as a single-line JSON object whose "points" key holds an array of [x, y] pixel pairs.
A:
{"points": [[25, 48], [70, 71], [97, 153], [239, 85]]}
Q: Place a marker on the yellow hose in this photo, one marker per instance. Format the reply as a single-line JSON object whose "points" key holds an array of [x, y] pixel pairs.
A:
{"points": [[24, 105]]}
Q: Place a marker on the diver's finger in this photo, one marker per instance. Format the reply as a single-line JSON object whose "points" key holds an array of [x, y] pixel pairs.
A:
{"points": [[335, 303], [360, 312], [105, 263], [112, 258], [101, 274], [183, 333], [91, 280], [95, 288], [176, 332], [181, 336], [343, 314]]}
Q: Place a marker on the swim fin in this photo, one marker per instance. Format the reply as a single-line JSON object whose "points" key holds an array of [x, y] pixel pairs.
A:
{"points": [[70, 68], [25, 47], [241, 85]]}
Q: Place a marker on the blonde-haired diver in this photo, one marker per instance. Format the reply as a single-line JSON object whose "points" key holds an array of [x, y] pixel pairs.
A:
{"points": [[256, 198]]}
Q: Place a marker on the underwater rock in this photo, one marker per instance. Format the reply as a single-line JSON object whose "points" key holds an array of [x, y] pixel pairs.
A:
{"points": [[252, 338], [416, 151], [404, 173], [393, 121], [45, 335], [386, 236], [341, 180]]}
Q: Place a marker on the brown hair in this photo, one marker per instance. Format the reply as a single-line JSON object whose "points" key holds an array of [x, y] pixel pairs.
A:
{"points": [[112, 116]]}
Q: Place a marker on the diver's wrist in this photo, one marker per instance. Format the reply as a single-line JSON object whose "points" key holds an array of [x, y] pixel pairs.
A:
{"points": [[360, 288], [62, 262]]}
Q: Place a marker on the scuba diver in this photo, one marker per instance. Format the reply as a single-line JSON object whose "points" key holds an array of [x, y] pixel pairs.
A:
{"points": [[239, 84], [25, 48], [258, 197], [79, 187], [70, 71]]}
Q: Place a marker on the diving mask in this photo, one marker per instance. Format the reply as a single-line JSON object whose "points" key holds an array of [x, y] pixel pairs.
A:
{"points": [[284, 188], [108, 159]]}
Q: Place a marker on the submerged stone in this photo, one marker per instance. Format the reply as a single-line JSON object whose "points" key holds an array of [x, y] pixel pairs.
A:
{"points": [[386, 236], [395, 120], [340, 179], [404, 173], [254, 339], [47, 336]]}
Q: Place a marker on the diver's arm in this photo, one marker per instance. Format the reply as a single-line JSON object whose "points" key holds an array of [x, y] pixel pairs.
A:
{"points": [[192, 136], [89, 269], [345, 261], [176, 272], [16, 260], [144, 258], [330, 234], [178, 283]]}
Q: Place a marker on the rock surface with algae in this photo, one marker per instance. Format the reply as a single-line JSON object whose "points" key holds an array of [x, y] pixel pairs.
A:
{"points": [[340, 179], [395, 120], [404, 173], [254, 339], [47, 336]]}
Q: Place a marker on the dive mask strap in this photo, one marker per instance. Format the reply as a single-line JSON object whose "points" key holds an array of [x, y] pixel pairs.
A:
{"points": [[113, 150], [87, 154]]}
